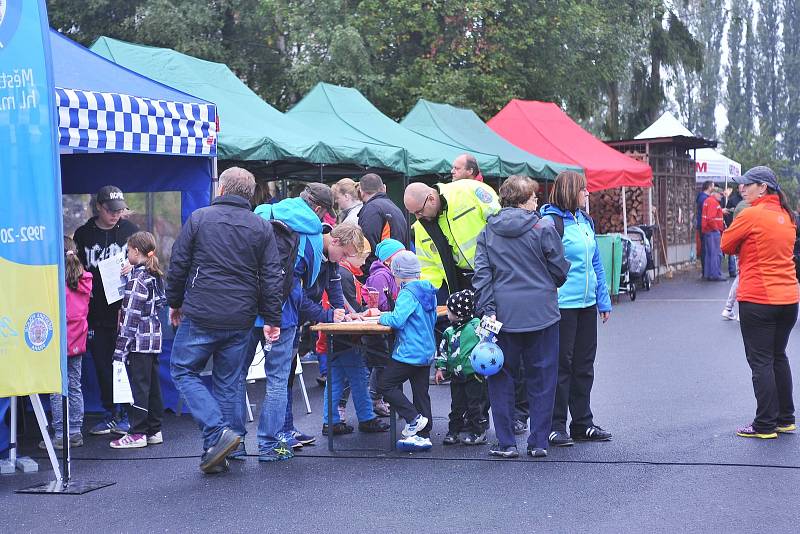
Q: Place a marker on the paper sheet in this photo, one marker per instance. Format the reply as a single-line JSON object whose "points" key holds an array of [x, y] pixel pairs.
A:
{"points": [[111, 275]]}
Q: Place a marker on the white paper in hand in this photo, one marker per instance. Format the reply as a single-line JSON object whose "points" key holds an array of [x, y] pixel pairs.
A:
{"points": [[111, 275], [122, 387]]}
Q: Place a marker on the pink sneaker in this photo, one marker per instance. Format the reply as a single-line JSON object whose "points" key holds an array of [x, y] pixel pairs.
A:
{"points": [[130, 441]]}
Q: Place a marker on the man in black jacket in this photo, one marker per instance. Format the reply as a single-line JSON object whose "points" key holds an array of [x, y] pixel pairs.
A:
{"points": [[379, 217], [224, 270]]}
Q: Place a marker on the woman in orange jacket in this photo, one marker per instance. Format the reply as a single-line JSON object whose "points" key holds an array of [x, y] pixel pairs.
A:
{"points": [[763, 237]]}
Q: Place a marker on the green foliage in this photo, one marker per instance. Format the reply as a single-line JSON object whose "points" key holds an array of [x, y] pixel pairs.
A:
{"points": [[614, 65]]}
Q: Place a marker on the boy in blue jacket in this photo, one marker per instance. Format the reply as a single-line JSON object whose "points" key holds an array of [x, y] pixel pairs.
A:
{"points": [[413, 318]]}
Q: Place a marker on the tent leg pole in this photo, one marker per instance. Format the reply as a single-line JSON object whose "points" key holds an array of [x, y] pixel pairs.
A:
{"points": [[650, 205], [624, 213]]}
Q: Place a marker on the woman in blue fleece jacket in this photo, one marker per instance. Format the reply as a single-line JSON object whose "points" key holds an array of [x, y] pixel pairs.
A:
{"points": [[413, 318], [580, 299]]}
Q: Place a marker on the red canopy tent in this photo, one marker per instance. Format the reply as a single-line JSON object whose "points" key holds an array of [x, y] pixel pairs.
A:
{"points": [[543, 129]]}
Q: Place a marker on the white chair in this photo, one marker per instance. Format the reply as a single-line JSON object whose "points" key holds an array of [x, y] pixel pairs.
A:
{"points": [[256, 372]]}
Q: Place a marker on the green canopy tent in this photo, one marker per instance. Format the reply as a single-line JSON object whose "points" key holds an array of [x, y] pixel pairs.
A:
{"points": [[331, 109], [463, 128], [250, 129]]}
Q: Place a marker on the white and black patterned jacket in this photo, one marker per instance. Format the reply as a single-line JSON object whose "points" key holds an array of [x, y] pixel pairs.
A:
{"points": [[139, 325]]}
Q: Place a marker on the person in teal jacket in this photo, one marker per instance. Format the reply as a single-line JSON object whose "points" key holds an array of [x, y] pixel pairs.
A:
{"points": [[582, 297], [413, 319]]}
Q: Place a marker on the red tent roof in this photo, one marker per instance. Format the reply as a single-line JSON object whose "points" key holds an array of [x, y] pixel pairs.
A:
{"points": [[543, 129]]}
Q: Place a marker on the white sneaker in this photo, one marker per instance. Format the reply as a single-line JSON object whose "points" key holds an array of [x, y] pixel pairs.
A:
{"points": [[130, 441], [728, 315], [155, 439], [415, 426], [414, 443]]}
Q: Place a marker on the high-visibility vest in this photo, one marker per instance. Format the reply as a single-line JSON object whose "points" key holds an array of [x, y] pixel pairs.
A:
{"points": [[469, 204]]}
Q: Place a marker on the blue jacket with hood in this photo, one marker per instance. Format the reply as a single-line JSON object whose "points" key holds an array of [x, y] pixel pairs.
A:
{"points": [[586, 280], [301, 218], [413, 318]]}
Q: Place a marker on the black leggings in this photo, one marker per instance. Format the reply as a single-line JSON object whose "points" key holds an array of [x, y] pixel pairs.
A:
{"points": [[765, 332]]}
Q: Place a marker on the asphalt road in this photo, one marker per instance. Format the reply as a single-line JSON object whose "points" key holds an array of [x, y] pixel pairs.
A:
{"points": [[671, 383]]}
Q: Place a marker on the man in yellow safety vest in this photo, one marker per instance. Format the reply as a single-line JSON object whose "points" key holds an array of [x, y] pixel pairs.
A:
{"points": [[449, 219]]}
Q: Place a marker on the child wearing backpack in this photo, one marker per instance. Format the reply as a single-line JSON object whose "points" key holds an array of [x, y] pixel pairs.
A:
{"points": [[413, 319], [468, 392], [78, 293], [139, 342]]}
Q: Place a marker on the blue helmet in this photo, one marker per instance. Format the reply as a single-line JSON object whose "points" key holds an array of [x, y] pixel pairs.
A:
{"points": [[487, 358]]}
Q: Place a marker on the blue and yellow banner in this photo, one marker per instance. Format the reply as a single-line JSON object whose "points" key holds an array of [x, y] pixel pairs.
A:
{"points": [[32, 324]]}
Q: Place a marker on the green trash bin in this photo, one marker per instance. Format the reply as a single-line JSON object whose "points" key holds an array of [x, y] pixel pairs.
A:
{"points": [[610, 247]]}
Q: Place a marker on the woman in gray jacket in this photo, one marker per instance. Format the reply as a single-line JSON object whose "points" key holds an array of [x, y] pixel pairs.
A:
{"points": [[519, 265]]}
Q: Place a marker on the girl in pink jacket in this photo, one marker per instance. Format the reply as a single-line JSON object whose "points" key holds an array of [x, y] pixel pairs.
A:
{"points": [[78, 291]]}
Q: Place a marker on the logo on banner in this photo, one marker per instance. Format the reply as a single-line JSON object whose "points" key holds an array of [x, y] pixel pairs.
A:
{"points": [[9, 18], [38, 331]]}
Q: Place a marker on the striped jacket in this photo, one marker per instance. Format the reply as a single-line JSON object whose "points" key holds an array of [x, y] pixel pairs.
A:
{"points": [[139, 325]]}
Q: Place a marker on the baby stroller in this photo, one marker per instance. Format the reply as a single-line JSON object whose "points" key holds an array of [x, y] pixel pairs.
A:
{"points": [[642, 235], [634, 263]]}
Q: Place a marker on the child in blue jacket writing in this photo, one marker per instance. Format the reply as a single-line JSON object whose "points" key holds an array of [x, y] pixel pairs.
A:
{"points": [[413, 319]]}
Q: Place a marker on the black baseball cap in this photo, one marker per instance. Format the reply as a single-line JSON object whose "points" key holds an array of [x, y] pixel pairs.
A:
{"points": [[321, 194], [112, 198]]}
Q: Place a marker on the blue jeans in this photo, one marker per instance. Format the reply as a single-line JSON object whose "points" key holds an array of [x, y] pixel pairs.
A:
{"points": [[192, 348], [349, 366], [255, 337], [75, 400], [277, 365]]}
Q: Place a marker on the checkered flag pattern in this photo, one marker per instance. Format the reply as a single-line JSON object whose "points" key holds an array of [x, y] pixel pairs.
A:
{"points": [[92, 121]]}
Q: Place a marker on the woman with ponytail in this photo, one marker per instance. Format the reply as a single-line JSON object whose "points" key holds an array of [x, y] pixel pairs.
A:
{"points": [[763, 236], [78, 291], [139, 342]]}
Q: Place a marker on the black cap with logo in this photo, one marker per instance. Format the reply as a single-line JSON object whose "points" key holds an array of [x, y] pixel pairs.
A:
{"points": [[112, 198]]}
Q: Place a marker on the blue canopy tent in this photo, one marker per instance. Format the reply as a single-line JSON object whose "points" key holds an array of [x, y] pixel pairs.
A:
{"points": [[118, 127]]}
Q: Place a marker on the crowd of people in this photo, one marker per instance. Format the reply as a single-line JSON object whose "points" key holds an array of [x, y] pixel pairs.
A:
{"points": [[247, 272]]}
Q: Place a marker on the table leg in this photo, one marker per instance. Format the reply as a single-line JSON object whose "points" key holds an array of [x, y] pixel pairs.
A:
{"points": [[392, 429], [329, 388]]}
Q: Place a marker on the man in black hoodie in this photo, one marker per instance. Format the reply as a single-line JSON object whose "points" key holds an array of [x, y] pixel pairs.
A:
{"points": [[100, 238], [379, 217]]}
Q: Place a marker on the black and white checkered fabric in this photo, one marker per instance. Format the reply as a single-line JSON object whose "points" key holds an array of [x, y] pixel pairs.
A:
{"points": [[91, 121]]}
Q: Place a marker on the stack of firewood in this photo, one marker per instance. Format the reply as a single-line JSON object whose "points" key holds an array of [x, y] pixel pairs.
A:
{"points": [[605, 208]]}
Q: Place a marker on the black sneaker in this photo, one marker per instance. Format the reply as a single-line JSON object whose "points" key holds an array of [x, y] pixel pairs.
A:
{"points": [[536, 452], [216, 454], [338, 429], [592, 433], [372, 426], [520, 427], [560, 439], [451, 438], [474, 439], [509, 451]]}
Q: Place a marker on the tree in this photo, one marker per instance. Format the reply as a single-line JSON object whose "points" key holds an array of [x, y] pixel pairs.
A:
{"points": [[791, 81], [238, 33], [737, 99], [768, 81], [670, 45]]}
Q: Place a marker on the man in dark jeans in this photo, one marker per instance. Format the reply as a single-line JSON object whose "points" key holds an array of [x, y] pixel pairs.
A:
{"points": [[225, 270], [101, 237]]}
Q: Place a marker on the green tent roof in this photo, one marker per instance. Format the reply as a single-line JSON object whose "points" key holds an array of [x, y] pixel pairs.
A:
{"points": [[331, 109], [463, 128], [250, 129]]}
